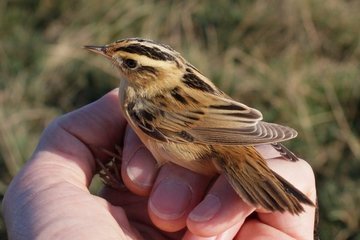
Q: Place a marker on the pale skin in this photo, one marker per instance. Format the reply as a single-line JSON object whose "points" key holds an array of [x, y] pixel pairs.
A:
{"points": [[49, 198]]}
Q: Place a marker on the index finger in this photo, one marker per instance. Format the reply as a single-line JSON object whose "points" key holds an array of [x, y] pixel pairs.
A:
{"points": [[298, 226], [79, 136], [98, 124]]}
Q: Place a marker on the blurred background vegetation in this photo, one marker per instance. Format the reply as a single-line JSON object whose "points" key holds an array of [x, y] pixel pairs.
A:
{"points": [[296, 61]]}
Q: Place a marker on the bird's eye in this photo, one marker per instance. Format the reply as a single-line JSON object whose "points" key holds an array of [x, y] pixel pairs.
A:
{"points": [[130, 63]]}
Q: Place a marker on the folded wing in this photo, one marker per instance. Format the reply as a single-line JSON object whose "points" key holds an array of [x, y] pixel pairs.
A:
{"points": [[208, 119]]}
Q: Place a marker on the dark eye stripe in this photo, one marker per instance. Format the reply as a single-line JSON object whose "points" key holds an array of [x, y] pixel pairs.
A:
{"points": [[150, 52]]}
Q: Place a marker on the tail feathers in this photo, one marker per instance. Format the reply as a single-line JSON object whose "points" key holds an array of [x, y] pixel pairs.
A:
{"points": [[286, 153], [253, 180], [290, 189]]}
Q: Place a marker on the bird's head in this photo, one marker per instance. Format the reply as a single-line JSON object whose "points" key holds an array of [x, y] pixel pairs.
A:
{"points": [[142, 62]]}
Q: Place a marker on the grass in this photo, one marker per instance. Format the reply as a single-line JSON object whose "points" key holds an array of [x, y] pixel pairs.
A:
{"points": [[296, 61]]}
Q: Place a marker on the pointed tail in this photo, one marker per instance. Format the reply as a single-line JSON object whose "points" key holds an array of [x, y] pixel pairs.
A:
{"points": [[256, 183]]}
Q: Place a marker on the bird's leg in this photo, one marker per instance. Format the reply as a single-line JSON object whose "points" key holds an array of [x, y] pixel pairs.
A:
{"points": [[110, 173]]}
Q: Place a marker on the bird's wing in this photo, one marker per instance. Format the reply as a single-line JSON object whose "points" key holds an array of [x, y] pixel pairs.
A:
{"points": [[206, 119]]}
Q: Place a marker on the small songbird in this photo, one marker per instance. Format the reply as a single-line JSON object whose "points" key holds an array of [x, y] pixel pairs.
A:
{"points": [[182, 117]]}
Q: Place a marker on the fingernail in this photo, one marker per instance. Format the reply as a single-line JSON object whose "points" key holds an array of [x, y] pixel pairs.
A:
{"points": [[206, 210], [140, 169], [170, 199]]}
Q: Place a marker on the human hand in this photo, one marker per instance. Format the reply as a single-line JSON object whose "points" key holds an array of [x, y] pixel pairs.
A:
{"points": [[212, 210], [49, 198]]}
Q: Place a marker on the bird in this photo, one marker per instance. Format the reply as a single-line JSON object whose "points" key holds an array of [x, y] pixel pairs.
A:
{"points": [[183, 118]]}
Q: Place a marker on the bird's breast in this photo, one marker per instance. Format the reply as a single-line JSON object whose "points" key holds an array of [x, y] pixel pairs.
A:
{"points": [[195, 157]]}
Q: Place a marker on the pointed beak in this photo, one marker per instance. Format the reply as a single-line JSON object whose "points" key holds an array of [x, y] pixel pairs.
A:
{"points": [[99, 50]]}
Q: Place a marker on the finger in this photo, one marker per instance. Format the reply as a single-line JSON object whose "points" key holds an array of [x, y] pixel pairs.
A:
{"points": [[135, 208], [267, 151], [71, 141], [175, 193], [99, 124], [226, 235], [302, 177], [139, 167], [190, 236], [134, 205], [126, 206], [120, 216], [220, 210], [254, 229]]}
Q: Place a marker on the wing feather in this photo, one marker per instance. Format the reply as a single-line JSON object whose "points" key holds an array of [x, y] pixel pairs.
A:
{"points": [[211, 120]]}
